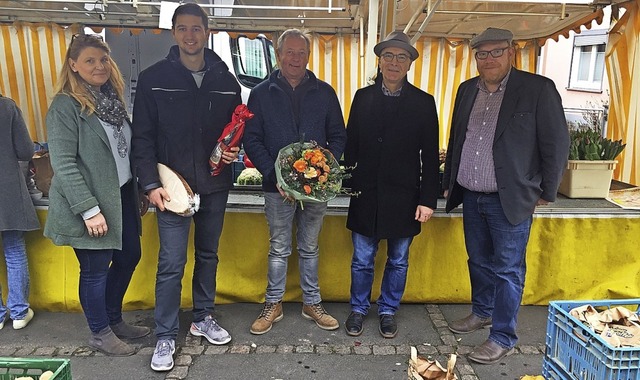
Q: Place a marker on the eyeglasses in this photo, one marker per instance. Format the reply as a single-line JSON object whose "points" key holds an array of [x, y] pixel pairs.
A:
{"points": [[86, 37], [495, 53], [388, 57]]}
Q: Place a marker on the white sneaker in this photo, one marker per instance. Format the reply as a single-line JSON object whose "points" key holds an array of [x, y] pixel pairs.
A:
{"points": [[4, 318], [162, 359], [211, 330], [22, 323]]}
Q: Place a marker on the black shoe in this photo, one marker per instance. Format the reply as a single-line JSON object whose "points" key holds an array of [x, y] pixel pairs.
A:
{"points": [[353, 325], [388, 326]]}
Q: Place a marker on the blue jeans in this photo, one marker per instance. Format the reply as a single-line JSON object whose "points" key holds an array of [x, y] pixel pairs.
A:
{"points": [[362, 271], [105, 274], [280, 217], [173, 230], [15, 255], [497, 265]]}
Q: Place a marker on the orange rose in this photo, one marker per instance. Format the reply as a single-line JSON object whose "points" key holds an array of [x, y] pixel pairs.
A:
{"points": [[308, 154], [300, 165], [312, 157], [307, 189]]}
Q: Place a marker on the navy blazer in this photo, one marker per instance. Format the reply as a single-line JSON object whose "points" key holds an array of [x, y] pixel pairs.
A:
{"points": [[530, 147]]}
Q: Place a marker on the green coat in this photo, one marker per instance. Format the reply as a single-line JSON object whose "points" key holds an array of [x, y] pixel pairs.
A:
{"points": [[85, 175]]}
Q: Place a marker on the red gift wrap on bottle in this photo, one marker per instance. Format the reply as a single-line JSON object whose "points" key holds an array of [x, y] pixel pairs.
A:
{"points": [[230, 137]]}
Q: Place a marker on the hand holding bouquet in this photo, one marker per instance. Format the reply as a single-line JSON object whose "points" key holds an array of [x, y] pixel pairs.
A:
{"points": [[230, 137], [309, 172]]}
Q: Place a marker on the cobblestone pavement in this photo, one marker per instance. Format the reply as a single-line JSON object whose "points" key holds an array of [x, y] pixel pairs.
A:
{"points": [[292, 347]]}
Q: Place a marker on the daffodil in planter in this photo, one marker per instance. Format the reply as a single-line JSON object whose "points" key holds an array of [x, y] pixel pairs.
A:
{"points": [[591, 163]]}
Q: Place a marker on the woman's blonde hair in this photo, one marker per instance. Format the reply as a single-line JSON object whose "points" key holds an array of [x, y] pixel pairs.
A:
{"points": [[72, 84]]}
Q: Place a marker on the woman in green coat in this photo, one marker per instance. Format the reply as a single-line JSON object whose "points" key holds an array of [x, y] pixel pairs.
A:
{"points": [[93, 204]]}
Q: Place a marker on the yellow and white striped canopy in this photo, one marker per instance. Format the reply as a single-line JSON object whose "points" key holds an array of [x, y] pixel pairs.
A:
{"points": [[33, 54], [623, 64], [29, 67]]}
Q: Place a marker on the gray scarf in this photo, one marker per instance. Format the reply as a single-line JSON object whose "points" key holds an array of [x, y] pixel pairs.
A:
{"points": [[111, 110]]}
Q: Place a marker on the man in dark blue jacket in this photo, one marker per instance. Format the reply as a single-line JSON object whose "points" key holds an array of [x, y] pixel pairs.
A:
{"points": [[289, 106], [182, 104]]}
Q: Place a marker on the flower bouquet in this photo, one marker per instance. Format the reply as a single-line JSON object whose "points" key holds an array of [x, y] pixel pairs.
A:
{"points": [[309, 172]]}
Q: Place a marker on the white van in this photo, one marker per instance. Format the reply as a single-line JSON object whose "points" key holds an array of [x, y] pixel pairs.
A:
{"points": [[250, 60]]}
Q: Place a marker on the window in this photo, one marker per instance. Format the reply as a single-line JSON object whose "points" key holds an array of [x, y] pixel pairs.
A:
{"points": [[252, 59], [587, 64], [586, 117]]}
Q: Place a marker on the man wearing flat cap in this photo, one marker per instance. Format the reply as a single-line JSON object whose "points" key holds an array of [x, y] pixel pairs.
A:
{"points": [[392, 141], [508, 147]]}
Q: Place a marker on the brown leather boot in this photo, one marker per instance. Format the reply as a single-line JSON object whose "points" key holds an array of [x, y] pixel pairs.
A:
{"points": [[271, 313], [123, 330], [318, 314], [489, 352], [469, 324], [109, 344]]}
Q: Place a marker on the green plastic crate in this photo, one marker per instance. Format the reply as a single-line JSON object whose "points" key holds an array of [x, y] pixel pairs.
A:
{"points": [[12, 368]]}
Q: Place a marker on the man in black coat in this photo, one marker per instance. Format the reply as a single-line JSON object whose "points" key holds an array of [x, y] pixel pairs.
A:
{"points": [[392, 140], [507, 150]]}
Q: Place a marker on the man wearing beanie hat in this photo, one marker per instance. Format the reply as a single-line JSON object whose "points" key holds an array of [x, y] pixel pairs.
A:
{"points": [[392, 141], [508, 147]]}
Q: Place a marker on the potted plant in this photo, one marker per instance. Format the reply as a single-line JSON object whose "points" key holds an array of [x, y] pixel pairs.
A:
{"points": [[591, 160]]}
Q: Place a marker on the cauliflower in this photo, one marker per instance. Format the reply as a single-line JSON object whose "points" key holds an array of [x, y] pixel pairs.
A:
{"points": [[250, 176]]}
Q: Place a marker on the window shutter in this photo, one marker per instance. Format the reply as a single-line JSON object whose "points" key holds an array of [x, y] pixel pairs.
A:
{"points": [[591, 39]]}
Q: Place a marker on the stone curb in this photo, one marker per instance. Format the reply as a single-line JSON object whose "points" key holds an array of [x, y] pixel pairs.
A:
{"points": [[197, 346]]}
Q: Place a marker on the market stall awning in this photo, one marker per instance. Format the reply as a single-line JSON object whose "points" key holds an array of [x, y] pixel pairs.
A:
{"points": [[445, 18], [344, 31]]}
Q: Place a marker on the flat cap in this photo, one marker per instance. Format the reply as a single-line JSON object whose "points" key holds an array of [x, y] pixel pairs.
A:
{"points": [[396, 39], [491, 35]]}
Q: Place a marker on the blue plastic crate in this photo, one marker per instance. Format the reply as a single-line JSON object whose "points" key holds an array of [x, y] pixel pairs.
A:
{"points": [[574, 352]]}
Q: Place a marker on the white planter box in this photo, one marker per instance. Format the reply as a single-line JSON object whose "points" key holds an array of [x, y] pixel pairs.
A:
{"points": [[587, 179]]}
